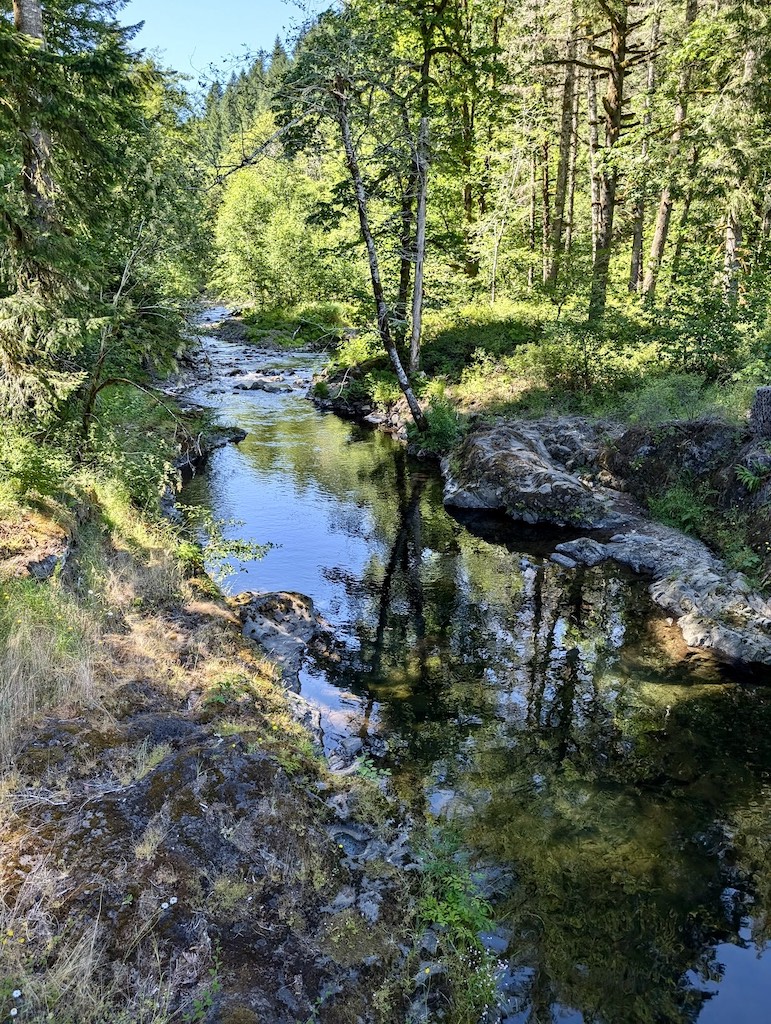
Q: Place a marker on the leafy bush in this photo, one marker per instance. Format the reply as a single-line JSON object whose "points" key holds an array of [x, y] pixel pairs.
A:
{"points": [[355, 350], [683, 506], [382, 387], [29, 465]]}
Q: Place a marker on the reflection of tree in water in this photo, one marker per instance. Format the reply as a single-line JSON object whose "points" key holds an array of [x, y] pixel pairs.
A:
{"points": [[625, 805], [608, 795]]}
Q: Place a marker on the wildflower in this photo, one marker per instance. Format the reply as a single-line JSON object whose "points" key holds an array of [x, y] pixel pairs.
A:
{"points": [[164, 906], [173, 900], [14, 1011], [16, 993]]}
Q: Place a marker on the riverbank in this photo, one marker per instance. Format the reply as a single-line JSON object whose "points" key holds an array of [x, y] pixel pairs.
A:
{"points": [[177, 847], [607, 477]]}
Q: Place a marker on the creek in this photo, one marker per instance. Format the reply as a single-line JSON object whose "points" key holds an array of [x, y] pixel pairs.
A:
{"points": [[614, 788]]}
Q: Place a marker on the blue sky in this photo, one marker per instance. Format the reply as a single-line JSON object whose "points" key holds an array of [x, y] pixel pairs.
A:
{"points": [[189, 35]]}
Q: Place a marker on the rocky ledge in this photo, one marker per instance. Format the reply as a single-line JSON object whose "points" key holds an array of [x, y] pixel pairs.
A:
{"points": [[552, 471]]}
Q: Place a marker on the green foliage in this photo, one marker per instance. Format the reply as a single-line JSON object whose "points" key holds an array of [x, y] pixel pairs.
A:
{"points": [[449, 896], [444, 426], [269, 252], [208, 546], [454, 336], [683, 506], [30, 465], [356, 350], [753, 477]]}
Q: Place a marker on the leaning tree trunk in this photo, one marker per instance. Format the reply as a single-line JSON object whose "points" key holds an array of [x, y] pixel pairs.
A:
{"points": [[362, 205], [566, 149], [608, 177], [666, 202]]}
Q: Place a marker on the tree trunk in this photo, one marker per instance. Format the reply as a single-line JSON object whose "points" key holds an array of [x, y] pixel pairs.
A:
{"points": [[362, 205], [733, 243], [566, 151], [531, 234], [545, 210], [594, 146], [664, 215], [36, 144], [28, 18], [608, 176], [571, 185], [421, 158], [638, 214], [406, 251]]}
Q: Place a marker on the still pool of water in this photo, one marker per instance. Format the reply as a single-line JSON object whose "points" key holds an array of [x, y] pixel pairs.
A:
{"points": [[617, 791]]}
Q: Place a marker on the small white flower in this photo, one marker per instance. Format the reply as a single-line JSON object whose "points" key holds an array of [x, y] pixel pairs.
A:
{"points": [[16, 993], [173, 900], [90, 593], [164, 906], [14, 1011]]}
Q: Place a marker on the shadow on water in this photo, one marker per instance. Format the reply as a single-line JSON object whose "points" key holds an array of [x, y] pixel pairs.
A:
{"points": [[614, 787]]}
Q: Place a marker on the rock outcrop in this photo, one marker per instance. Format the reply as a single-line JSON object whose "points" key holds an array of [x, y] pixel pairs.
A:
{"points": [[531, 471], [284, 625]]}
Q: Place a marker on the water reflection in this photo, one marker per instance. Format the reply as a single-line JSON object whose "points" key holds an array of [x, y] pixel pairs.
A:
{"points": [[551, 714]]}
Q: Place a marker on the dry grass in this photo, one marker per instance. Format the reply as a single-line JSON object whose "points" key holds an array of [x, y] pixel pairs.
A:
{"points": [[47, 657]]}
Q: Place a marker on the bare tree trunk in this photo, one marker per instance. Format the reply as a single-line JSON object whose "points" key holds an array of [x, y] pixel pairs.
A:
{"points": [[421, 158], [406, 251], [733, 243], [608, 177], [664, 215], [594, 146], [678, 252], [638, 214], [571, 185], [566, 151], [28, 18], [383, 320], [545, 210], [531, 268], [36, 145]]}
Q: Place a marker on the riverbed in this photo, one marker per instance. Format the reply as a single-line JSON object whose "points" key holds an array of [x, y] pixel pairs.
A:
{"points": [[611, 787]]}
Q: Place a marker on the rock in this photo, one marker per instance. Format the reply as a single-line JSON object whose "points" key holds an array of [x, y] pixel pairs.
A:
{"points": [[515, 467], [563, 560], [428, 970], [283, 624], [760, 413], [508, 467], [584, 550]]}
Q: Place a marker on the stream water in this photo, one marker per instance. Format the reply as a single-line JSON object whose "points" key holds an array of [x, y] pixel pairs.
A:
{"points": [[616, 790]]}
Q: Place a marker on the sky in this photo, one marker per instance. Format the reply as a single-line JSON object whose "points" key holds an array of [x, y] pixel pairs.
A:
{"points": [[191, 35]]}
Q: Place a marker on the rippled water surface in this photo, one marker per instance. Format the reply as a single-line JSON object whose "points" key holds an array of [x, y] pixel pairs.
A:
{"points": [[617, 791]]}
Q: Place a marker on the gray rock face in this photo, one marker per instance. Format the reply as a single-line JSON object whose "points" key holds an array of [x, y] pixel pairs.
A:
{"points": [[283, 624], [517, 468], [509, 467], [760, 414]]}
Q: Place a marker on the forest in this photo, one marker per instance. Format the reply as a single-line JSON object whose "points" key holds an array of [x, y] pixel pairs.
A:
{"points": [[470, 215]]}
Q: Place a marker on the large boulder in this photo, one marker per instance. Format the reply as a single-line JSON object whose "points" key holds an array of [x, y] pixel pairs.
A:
{"points": [[529, 471]]}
